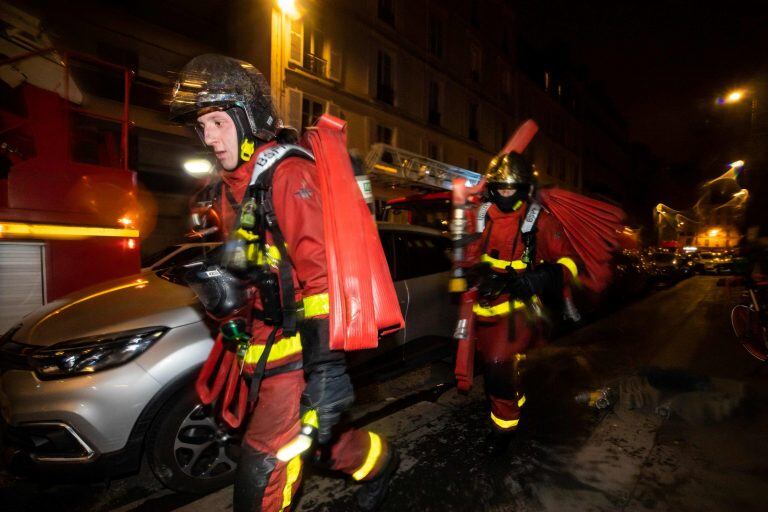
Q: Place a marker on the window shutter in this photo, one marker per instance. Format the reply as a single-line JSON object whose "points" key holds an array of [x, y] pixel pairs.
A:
{"points": [[294, 108], [296, 53], [334, 71]]}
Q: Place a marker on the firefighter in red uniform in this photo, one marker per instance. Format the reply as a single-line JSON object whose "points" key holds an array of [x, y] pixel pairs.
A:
{"points": [[522, 261], [271, 220]]}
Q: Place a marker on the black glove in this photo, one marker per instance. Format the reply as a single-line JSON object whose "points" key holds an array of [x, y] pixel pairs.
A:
{"points": [[490, 284], [329, 390], [546, 280]]}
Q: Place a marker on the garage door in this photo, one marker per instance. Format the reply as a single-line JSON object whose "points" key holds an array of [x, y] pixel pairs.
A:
{"points": [[21, 281]]}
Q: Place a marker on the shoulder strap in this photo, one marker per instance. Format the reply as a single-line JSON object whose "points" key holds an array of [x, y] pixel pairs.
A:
{"points": [[261, 185], [269, 158], [528, 233], [482, 212]]}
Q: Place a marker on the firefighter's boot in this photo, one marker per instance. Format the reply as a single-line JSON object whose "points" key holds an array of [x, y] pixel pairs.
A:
{"points": [[372, 493]]}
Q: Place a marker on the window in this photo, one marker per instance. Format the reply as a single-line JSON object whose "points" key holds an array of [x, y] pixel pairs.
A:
{"points": [[384, 81], [311, 110], [475, 62], [472, 164], [420, 255], [434, 103], [387, 11], [314, 48], [472, 124], [435, 46], [384, 134]]}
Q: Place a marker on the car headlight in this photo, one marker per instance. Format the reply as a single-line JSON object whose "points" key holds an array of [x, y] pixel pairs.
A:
{"points": [[92, 354]]}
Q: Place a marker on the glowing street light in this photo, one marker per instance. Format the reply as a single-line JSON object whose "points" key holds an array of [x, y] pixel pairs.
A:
{"points": [[737, 164], [713, 232], [735, 96], [198, 167], [289, 8]]}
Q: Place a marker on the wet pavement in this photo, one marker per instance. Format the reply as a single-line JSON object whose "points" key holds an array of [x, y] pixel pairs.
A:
{"points": [[687, 430]]}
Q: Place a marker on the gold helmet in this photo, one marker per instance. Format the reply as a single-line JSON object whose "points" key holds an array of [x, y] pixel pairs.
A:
{"points": [[509, 170]]}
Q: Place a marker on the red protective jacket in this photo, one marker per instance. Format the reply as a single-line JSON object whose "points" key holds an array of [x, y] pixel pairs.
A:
{"points": [[501, 244], [298, 208]]}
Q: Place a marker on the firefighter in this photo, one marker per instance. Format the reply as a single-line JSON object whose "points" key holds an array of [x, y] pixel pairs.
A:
{"points": [[302, 382], [521, 261]]}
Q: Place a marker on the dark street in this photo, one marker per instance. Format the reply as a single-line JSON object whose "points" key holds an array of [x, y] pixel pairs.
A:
{"points": [[687, 430]]}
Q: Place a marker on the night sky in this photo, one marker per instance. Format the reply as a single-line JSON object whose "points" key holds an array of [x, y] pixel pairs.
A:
{"points": [[662, 63]]}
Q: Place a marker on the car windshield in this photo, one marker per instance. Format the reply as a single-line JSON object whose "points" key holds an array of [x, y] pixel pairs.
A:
{"points": [[148, 261]]}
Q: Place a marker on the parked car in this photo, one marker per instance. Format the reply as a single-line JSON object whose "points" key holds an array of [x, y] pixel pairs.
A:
{"points": [[93, 381], [664, 268], [705, 263]]}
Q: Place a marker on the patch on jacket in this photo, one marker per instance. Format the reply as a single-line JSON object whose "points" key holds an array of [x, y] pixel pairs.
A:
{"points": [[303, 193]]}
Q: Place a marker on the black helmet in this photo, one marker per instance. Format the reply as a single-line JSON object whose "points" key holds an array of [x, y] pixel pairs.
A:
{"points": [[216, 82]]}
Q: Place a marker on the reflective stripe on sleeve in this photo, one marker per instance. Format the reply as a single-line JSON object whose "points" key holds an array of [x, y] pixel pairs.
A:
{"points": [[370, 460], [502, 264], [570, 265], [497, 310]]}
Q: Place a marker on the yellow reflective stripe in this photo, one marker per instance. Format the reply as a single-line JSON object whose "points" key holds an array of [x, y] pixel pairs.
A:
{"points": [[506, 424], [282, 348], [570, 265], [316, 305], [502, 264], [521, 402], [498, 309], [292, 472], [310, 418], [373, 455]]}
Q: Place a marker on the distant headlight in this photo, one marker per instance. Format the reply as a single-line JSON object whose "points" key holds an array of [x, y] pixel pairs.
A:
{"points": [[93, 354]]}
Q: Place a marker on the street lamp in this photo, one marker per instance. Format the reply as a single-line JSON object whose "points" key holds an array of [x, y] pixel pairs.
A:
{"points": [[737, 164], [289, 8]]}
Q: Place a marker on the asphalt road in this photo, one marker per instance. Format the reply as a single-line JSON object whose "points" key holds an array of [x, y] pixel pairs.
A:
{"points": [[688, 428]]}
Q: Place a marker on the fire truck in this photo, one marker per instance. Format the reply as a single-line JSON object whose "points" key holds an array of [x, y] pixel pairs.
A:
{"points": [[69, 212], [425, 182]]}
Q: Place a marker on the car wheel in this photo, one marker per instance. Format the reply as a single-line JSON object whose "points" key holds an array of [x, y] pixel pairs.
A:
{"points": [[188, 450]]}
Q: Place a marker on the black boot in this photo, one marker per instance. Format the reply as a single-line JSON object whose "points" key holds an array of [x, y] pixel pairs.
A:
{"points": [[372, 493], [498, 442]]}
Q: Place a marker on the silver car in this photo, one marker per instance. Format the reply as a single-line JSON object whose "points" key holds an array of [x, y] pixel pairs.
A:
{"points": [[91, 382]]}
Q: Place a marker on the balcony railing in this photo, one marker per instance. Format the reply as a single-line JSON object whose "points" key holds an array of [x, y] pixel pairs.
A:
{"points": [[315, 65]]}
